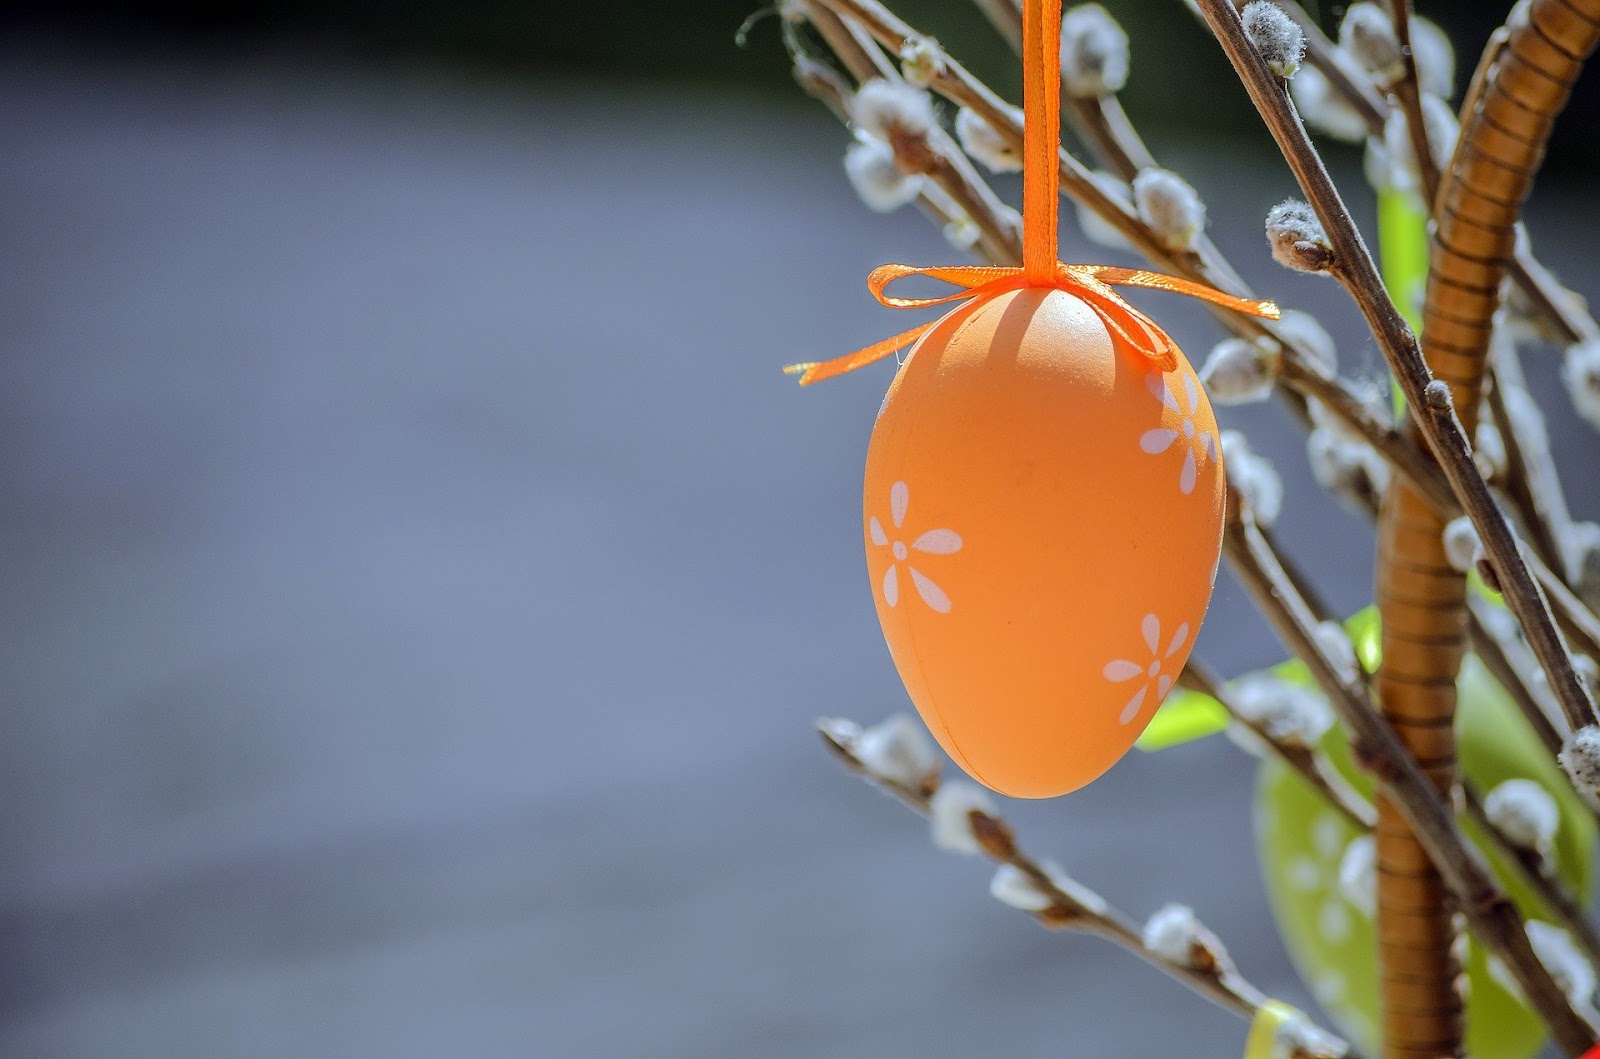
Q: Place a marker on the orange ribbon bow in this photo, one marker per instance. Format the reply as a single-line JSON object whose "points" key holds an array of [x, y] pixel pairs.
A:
{"points": [[1092, 283], [1041, 135]]}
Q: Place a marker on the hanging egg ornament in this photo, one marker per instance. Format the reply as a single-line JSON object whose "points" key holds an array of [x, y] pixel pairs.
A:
{"points": [[1044, 492], [1043, 518]]}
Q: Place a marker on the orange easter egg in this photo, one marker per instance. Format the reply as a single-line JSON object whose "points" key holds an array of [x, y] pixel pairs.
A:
{"points": [[1043, 518]]}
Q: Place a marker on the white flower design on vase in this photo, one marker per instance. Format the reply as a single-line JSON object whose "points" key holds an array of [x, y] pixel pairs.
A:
{"points": [[1159, 439], [1318, 873], [1149, 673], [932, 542]]}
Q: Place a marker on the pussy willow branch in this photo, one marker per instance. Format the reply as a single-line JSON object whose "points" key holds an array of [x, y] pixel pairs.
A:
{"points": [[937, 157], [1528, 481], [1431, 405], [1408, 93], [1495, 920], [824, 84], [1533, 484], [1540, 874], [1556, 306], [1311, 764], [1222, 985], [956, 84]]}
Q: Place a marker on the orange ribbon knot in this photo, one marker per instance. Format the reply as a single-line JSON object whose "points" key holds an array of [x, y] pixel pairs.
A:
{"points": [[1092, 283]]}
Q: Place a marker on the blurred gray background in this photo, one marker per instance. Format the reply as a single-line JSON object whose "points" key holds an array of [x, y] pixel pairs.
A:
{"points": [[419, 581]]}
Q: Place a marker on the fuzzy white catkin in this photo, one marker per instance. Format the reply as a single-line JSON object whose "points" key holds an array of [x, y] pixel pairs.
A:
{"points": [[1461, 544], [1170, 932], [1443, 131], [1287, 713], [1239, 371], [1324, 109], [869, 164], [1580, 370], [1095, 228], [1435, 58], [1358, 874], [1573, 974], [885, 108], [1524, 812], [1010, 886], [1173, 933], [1580, 759], [920, 61], [1303, 330], [1297, 238], [841, 730], [1094, 52], [1279, 39], [1367, 35], [898, 750], [980, 140], [949, 815], [1170, 207], [1347, 469], [1254, 477]]}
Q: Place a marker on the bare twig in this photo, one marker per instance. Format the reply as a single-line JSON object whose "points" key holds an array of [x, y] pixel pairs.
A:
{"points": [[1077, 908], [939, 159], [1311, 764], [1431, 404], [1555, 305], [1540, 874], [1409, 94]]}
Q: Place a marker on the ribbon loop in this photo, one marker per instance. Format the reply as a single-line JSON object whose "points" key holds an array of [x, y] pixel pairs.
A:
{"points": [[1091, 283]]}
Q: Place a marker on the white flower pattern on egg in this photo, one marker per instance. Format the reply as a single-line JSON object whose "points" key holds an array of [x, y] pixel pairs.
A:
{"points": [[932, 542], [1149, 673], [1158, 440]]}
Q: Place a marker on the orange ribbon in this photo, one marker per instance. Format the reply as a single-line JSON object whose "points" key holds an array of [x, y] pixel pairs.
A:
{"points": [[1092, 283], [1041, 134]]}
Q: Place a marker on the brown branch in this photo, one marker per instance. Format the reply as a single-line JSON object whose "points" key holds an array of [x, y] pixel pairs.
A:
{"points": [[1311, 764], [1554, 305], [1077, 908], [938, 158], [1540, 874], [1408, 92], [1432, 407]]}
